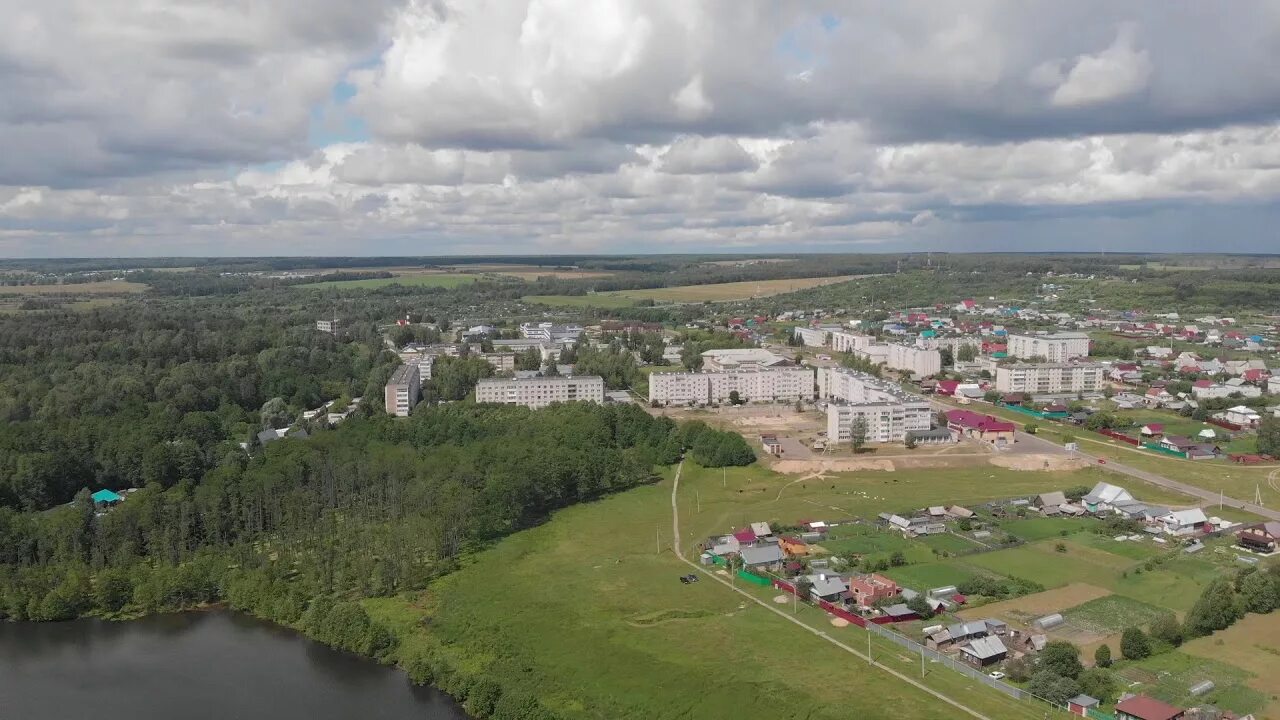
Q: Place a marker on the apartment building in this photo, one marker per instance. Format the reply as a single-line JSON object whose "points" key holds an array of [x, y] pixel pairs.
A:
{"points": [[741, 359], [818, 336], [844, 341], [502, 362], [778, 384], [917, 361], [328, 326], [402, 390], [1054, 347], [1049, 378], [550, 332], [538, 392], [886, 411]]}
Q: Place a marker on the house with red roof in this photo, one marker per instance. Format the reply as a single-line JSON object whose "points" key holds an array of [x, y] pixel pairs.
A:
{"points": [[1153, 430], [870, 589], [987, 428], [947, 387], [1141, 707], [745, 536]]}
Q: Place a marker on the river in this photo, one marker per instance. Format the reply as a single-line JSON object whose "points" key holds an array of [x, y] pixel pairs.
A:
{"points": [[196, 666]]}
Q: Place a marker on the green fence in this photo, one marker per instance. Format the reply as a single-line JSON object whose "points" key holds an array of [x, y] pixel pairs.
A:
{"points": [[718, 560], [753, 578], [1161, 449], [1095, 713], [1024, 411]]}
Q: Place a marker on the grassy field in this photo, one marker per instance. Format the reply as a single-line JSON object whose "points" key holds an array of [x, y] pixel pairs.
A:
{"points": [[589, 608], [102, 287], [444, 280], [1033, 529]]}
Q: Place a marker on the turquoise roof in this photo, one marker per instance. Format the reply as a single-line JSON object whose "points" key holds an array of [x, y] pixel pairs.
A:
{"points": [[107, 496]]}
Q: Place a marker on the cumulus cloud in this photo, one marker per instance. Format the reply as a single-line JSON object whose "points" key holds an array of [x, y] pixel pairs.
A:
{"points": [[619, 124], [1117, 72]]}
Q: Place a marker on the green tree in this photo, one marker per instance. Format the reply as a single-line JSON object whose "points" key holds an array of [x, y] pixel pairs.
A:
{"points": [[966, 353], [1031, 428], [529, 359], [921, 607], [1269, 434], [1260, 592], [1167, 629], [1214, 610], [1102, 656], [1052, 687], [1061, 658], [1099, 683], [735, 398], [897, 559], [112, 589], [858, 434], [1134, 644]]}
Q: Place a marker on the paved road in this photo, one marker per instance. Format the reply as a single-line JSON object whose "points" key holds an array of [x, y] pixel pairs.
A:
{"points": [[679, 553], [1042, 445]]}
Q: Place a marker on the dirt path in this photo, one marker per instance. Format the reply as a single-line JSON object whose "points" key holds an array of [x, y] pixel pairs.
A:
{"points": [[679, 553]]}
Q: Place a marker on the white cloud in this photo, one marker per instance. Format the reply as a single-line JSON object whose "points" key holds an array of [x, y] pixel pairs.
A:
{"points": [[1117, 72], [616, 124]]}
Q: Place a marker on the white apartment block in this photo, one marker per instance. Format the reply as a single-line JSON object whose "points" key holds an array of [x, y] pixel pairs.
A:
{"points": [[876, 353], [402, 391], [842, 341], [812, 336], [1054, 348], [781, 384], [328, 326], [1047, 378], [741, 359], [539, 392], [917, 361], [550, 332], [888, 411]]}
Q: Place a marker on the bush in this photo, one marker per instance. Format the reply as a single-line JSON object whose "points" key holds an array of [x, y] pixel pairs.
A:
{"points": [[1215, 610], [1167, 630], [1060, 658], [1098, 683], [1102, 656], [1052, 687]]}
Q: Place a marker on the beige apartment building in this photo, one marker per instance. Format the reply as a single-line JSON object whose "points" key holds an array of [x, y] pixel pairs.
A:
{"points": [[402, 391], [1049, 378], [778, 384], [1054, 348], [538, 392]]}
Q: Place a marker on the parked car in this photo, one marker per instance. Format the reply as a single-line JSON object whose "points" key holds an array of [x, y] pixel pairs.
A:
{"points": [[996, 675]]}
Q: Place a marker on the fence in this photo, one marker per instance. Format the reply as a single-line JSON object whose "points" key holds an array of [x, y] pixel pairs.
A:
{"points": [[1119, 436], [925, 653], [1025, 411], [753, 578], [1162, 449], [1224, 424]]}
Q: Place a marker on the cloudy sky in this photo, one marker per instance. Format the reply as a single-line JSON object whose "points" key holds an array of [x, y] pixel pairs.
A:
{"points": [[241, 127]]}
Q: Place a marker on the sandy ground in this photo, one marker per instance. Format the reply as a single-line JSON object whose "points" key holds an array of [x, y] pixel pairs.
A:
{"points": [[1038, 462]]}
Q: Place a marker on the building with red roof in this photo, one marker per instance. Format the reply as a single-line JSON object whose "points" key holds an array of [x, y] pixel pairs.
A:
{"points": [[987, 428], [1141, 707]]}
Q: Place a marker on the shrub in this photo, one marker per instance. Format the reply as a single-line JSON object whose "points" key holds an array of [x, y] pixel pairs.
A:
{"points": [[1134, 644], [1102, 656]]}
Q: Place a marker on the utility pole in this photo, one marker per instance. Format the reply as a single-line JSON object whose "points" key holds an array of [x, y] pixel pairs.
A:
{"points": [[869, 660], [921, 661], [698, 495], [657, 541], [724, 477]]}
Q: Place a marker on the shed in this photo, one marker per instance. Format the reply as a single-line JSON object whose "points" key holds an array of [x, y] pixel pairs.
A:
{"points": [[1082, 704]]}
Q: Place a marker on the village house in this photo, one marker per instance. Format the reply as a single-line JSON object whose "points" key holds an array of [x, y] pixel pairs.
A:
{"points": [[1240, 415], [867, 590], [1184, 522], [1105, 497], [767, 556], [1261, 538], [987, 428], [984, 651], [793, 546], [831, 588]]}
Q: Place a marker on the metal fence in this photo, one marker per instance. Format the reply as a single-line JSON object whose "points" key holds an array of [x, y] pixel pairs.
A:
{"points": [[949, 661]]}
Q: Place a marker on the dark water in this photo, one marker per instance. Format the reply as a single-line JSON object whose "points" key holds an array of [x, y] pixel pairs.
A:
{"points": [[214, 665]]}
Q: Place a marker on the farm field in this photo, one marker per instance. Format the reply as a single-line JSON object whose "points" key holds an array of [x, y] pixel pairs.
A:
{"points": [[613, 623], [1253, 645], [1169, 676], [1029, 607], [101, 287], [424, 279], [596, 300], [715, 292], [1110, 615]]}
